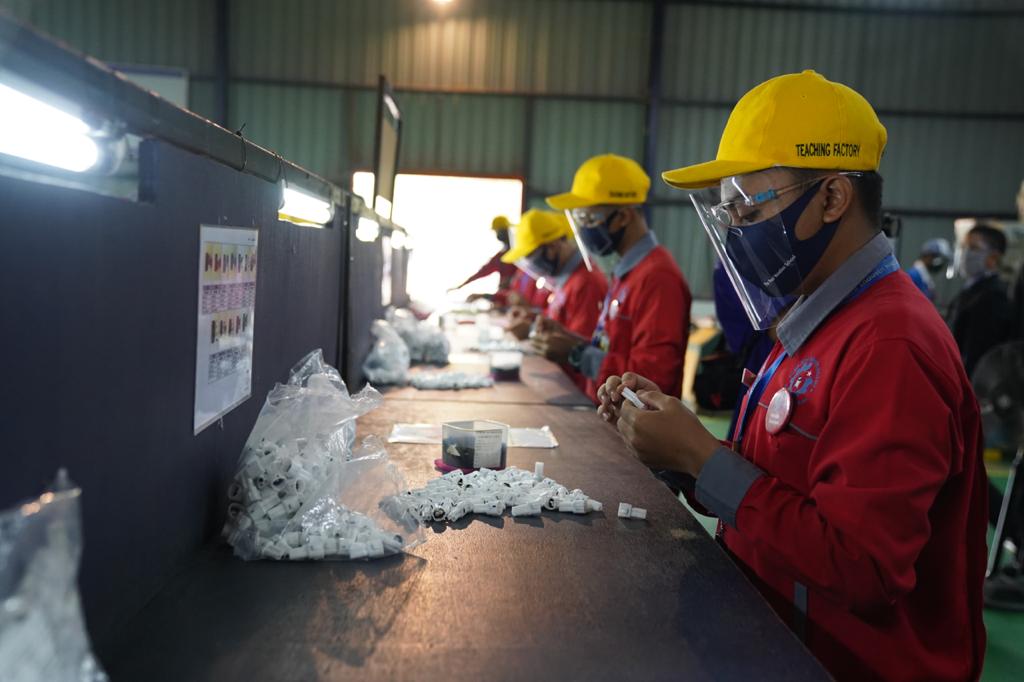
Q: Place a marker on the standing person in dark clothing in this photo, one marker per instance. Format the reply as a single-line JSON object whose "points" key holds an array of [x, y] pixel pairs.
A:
{"points": [[980, 316]]}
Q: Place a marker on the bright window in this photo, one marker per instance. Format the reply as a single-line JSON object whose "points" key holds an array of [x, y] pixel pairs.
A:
{"points": [[449, 223]]}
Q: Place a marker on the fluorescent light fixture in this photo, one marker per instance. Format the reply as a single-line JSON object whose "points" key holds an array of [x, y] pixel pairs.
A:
{"points": [[34, 130], [304, 209], [368, 229], [443, 2]]}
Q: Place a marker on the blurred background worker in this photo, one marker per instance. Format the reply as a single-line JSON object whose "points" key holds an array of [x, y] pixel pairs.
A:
{"points": [[935, 256], [506, 272], [645, 318], [853, 488], [544, 248], [980, 316]]}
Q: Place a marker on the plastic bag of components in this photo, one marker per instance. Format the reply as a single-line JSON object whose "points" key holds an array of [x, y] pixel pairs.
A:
{"points": [[302, 490], [427, 342], [42, 633], [388, 361]]}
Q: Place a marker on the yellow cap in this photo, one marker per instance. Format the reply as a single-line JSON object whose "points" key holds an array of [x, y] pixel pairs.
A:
{"points": [[605, 179], [800, 120], [500, 223], [535, 229]]}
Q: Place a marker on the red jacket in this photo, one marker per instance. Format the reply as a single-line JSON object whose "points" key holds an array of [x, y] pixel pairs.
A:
{"points": [[532, 295], [646, 324], [873, 503], [505, 271], [577, 305]]}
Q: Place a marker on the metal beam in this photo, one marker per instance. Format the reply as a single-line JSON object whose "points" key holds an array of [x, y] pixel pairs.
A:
{"points": [[222, 50], [654, 70]]}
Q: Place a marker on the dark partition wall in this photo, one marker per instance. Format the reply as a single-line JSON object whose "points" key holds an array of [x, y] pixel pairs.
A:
{"points": [[365, 267], [99, 320], [400, 277]]}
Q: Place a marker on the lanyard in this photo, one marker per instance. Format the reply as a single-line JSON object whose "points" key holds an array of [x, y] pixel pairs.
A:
{"points": [[886, 266], [613, 290]]}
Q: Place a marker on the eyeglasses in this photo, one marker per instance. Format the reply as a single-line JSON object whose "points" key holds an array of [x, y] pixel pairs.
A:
{"points": [[747, 209], [591, 216]]}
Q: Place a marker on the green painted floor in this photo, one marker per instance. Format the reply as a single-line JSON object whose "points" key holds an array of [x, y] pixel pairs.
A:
{"points": [[1004, 658]]}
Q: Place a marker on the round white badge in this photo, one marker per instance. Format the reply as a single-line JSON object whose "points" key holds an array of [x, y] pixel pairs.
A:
{"points": [[780, 409]]}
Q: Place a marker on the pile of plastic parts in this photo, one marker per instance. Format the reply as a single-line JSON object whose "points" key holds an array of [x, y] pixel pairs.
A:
{"points": [[302, 490], [456, 494], [449, 381], [426, 342]]}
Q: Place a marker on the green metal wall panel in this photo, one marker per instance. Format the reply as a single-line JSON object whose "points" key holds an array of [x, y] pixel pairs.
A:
{"points": [[310, 126], [680, 232], [472, 134], [156, 32], [904, 62], [490, 45], [567, 133], [686, 135]]}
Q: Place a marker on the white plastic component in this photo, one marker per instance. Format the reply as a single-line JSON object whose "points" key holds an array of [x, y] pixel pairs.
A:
{"points": [[272, 550], [375, 548], [358, 550], [594, 506], [579, 507], [528, 509], [632, 397], [638, 513], [298, 553], [538, 471], [277, 511], [294, 539], [624, 509]]}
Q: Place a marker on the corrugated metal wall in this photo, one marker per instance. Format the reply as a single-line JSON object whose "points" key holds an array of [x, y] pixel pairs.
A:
{"points": [[532, 87]]}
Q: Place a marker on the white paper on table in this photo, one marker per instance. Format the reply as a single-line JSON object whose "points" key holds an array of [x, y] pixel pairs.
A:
{"points": [[225, 321], [430, 434]]}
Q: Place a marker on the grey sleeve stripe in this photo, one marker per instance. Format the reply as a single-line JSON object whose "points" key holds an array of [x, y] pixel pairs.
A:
{"points": [[590, 362], [724, 482]]}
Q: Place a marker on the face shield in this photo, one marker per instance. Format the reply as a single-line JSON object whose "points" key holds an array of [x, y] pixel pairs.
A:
{"points": [[751, 221], [591, 226]]}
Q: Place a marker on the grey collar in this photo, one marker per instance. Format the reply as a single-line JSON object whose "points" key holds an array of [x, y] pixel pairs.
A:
{"points": [[809, 312], [636, 253], [570, 267]]}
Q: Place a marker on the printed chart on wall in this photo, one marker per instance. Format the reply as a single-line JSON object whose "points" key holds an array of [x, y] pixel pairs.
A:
{"points": [[224, 337]]}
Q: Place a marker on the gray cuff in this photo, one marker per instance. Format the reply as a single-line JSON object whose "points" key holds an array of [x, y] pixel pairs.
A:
{"points": [[590, 362], [724, 482]]}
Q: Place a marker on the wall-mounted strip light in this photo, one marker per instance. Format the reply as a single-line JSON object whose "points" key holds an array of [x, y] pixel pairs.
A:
{"points": [[304, 209], [34, 130], [368, 229]]}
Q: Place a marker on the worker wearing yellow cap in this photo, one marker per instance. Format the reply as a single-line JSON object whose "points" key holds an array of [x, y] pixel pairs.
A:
{"points": [[543, 246], [645, 317], [852, 486], [500, 226]]}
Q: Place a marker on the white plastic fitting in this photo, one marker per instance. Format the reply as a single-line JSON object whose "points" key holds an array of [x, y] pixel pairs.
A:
{"points": [[358, 550], [538, 471], [624, 509], [638, 513]]}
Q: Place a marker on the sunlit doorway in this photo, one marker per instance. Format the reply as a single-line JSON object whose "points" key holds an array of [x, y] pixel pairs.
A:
{"points": [[448, 218]]}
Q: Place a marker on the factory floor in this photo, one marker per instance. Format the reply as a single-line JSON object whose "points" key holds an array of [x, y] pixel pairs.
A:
{"points": [[1004, 658]]}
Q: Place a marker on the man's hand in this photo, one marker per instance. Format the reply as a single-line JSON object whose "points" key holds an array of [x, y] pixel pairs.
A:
{"points": [[554, 341], [610, 393], [666, 435], [520, 320]]}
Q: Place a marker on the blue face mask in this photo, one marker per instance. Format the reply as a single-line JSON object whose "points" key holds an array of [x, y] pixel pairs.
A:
{"points": [[769, 255], [599, 240]]}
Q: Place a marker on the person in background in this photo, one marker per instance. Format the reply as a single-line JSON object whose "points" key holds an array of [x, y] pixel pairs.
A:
{"points": [[935, 256], [500, 225], [543, 246], [980, 316], [644, 323], [852, 489]]}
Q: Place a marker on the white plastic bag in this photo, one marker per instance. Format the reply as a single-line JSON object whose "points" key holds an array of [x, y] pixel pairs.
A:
{"points": [[388, 361], [42, 633], [427, 343], [302, 491]]}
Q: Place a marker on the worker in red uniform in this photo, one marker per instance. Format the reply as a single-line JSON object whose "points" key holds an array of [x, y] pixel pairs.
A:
{"points": [[645, 318], [500, 225], [852, 489], [543, 246]]}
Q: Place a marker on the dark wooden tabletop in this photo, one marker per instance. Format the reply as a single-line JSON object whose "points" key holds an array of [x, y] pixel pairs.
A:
{"points": [[559, 597]]}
